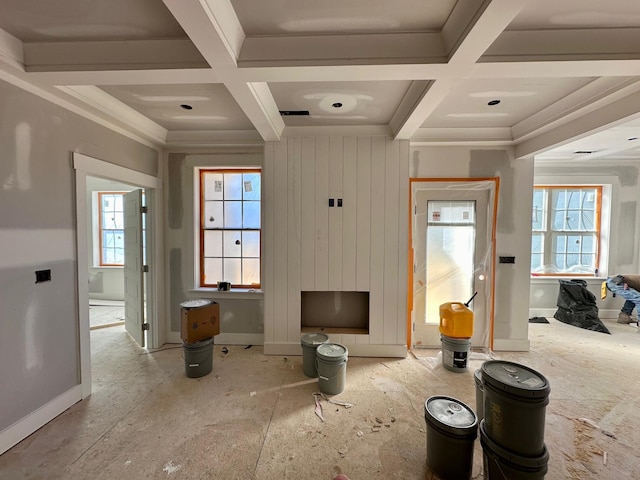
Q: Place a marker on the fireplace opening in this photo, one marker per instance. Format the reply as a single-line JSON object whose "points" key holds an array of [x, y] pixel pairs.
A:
{"points": [[335, 312]]}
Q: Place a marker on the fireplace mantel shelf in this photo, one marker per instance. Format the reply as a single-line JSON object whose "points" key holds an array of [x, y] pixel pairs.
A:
{"points": [[335, 330]]}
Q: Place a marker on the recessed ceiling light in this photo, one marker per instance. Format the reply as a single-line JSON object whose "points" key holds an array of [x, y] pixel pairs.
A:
{"points": [[186, 107], [336, 105], [584, 152], [493, 102], [632, 138]]}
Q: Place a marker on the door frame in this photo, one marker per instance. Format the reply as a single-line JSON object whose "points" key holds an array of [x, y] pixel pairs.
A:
{"points": [[493, 185], [86, 166]]}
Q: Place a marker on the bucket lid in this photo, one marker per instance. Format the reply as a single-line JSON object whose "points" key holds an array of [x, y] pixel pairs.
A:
{"points": [[331, 350], [201, 343], [530, 463], [313, 339], [515, 379], [195, 303], [478, 376], [451, 415]]}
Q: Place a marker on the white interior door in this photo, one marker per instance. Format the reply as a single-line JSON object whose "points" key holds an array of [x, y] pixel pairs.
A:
{"points": [[451, 244], [133, 266]]}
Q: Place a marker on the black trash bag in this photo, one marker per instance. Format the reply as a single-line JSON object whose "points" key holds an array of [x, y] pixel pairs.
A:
{"points": [[577, 306]]}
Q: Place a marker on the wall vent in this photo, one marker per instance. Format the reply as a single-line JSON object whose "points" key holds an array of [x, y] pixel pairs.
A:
{"points": [[293, 113]]}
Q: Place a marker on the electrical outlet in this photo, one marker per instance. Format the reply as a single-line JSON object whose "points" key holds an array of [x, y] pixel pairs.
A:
{"points": [[339, 202], [43, 276], [331, 202]]}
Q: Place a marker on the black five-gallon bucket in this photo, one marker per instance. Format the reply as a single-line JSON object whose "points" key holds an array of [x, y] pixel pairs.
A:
{"points": [[501, 464], [452, 428], [515, 399], [477, 375]]}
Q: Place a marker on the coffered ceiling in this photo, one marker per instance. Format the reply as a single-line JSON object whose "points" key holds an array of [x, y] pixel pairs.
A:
{"points": [[549, 77]]}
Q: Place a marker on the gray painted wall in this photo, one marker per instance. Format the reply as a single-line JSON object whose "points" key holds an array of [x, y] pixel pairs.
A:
{"points": [[238, 315], [513, 236], [39, 352]]}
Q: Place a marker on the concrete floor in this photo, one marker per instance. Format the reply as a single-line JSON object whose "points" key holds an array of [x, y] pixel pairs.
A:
{"points": [[105, 315], [253, 416]]}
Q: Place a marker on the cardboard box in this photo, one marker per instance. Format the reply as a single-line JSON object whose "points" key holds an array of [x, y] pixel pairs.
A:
{"points": [[200, 322]]}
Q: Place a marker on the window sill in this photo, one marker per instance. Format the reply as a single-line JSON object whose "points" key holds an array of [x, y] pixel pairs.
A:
{"points": [[236, 293], [550, 279]]}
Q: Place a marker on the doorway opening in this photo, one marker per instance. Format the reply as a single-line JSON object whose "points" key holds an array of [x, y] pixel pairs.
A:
{"points": [[452, 255], [87, 168], [106, 245]]}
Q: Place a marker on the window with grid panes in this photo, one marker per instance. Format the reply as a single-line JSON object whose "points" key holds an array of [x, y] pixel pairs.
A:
{"points": [[565, 230], [230, 227], [111, 228]]}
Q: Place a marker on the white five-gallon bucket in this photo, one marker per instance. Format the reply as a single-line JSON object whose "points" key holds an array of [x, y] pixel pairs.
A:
{"points": [[310, 342], [331, 363]]}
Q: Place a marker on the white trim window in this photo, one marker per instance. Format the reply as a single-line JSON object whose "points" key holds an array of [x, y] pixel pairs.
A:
{"points": [[230, 230], [111, 228], [565, 223]]}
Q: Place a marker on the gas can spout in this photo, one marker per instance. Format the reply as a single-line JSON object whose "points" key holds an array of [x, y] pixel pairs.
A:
{"points": [[471, 299]]}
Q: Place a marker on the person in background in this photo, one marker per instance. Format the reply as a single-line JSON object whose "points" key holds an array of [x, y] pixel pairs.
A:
{"points": [[628, 287], [625, 313]]}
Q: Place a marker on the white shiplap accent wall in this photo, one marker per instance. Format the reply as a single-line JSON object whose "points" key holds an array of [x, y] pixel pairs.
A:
{"points": [[362, 246]]}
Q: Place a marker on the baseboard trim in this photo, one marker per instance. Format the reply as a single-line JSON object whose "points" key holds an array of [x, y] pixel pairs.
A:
{"points": [[550, 312], [509, 345], [24, 427], [239, 339], [542, 312], [355, 350]]}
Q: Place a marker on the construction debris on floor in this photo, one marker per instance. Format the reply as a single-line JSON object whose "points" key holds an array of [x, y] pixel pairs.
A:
{"points": [[256, 416]]}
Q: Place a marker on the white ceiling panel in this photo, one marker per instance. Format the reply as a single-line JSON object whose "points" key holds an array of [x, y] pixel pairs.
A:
{"points": [[566, 73], [291, 17], [184, 107], [339, 103], [41, 21], [570, 14], [472, 102]]}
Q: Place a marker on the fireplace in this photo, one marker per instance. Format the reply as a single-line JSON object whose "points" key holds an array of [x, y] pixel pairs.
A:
{"points": [[335, 312]]}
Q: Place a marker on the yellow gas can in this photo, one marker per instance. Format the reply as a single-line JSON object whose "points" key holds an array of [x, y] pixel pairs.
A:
{"points": [[456, 320]]}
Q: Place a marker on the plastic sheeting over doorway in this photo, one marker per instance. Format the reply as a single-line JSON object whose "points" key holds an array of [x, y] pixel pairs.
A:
{"points": [[452, 232]]}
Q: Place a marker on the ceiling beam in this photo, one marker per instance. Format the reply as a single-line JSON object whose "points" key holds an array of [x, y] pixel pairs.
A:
{"points": [[571, 107], [114, 55], [611, 114], [216, 32], [258, 104], [11, 50], [114, 108], [407, 120], [567, 44], [487, 19], [163, 76], [354, 49]]}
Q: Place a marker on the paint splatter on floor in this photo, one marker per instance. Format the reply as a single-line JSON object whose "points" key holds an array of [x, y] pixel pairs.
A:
{"points": [[171, 468]]}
